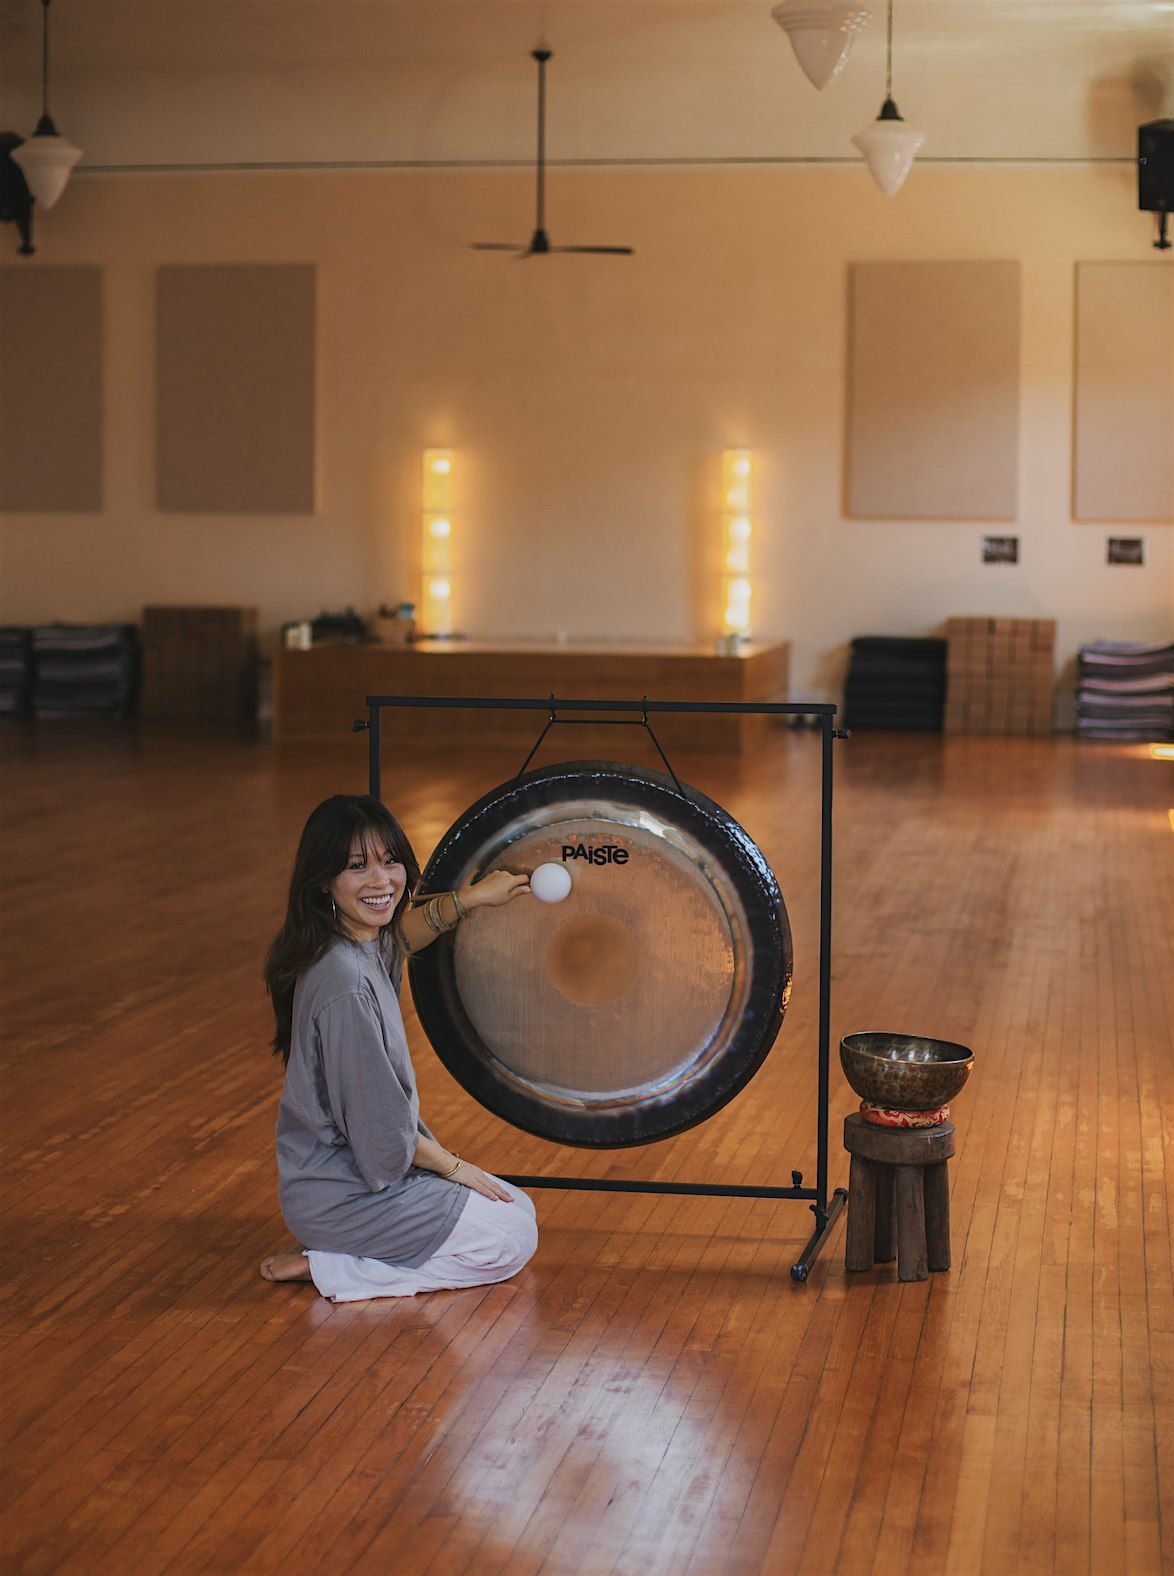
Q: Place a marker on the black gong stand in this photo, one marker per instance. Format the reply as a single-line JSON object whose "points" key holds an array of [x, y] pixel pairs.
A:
{"points": [[636, 712]]}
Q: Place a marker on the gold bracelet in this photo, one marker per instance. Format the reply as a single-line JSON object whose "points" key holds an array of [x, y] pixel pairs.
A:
{"points": [[458, 905], [435, 916], [453, 1172]]}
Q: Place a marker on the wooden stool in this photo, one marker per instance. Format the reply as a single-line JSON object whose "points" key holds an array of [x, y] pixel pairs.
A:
{"points": [[898, 1197]]}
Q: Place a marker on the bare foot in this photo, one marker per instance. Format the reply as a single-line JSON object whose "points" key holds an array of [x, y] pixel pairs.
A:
{"points": [[286, 1267]]}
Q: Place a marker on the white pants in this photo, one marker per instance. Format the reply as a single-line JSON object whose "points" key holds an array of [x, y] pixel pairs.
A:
{"points": [[491, 1241]]}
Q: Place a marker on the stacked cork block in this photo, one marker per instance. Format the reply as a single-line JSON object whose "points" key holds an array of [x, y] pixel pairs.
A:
{"points": [[199, 662], [999, 675]]}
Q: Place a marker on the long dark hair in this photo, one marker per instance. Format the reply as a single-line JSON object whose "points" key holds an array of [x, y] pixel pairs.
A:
{"points": [[311, 924]]}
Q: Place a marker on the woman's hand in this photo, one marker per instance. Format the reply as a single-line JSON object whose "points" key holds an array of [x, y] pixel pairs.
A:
{"points": [[432, 1156], [471, 1176], [494, 890]]}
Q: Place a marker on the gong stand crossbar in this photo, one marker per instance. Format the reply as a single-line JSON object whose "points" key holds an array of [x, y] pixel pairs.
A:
{"points": [[826, 1209]]}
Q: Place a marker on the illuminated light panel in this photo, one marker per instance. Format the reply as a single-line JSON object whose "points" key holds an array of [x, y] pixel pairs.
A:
{"points": [[1162, 752], [437, 560], [737, 538], [438, 480]]}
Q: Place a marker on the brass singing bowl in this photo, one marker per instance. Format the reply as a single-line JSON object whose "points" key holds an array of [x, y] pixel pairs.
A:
{"points": [[905, 1072]]}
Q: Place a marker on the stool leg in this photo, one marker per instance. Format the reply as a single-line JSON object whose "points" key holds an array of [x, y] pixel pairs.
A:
{"points": [[861, 1214], [885, 1244], [909, 1203], [937, 1216]]}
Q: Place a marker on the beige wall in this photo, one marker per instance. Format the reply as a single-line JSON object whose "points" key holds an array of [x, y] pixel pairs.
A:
{"points": [[588, 398]]}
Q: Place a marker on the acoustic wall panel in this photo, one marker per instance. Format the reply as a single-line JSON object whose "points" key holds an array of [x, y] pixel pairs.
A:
{"points": [[235, 389], [51, 388], [933, 391], [1123, 423]]}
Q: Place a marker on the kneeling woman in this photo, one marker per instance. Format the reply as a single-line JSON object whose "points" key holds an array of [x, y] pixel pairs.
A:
{"points": [[382, 1209]]}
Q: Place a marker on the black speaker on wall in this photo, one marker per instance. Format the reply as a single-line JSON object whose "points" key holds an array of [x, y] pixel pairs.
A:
{"points": [[1155, 173]]}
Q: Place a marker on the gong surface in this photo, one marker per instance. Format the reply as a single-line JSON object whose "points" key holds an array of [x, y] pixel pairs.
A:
{"points": [[642, 1002]]}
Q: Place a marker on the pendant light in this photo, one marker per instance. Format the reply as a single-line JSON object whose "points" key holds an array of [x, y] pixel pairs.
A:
{"points": [[821, 34], [889, 146], [46, 158]]}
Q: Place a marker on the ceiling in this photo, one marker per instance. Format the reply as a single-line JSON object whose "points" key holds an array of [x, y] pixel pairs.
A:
{"points": [[198, 83]]}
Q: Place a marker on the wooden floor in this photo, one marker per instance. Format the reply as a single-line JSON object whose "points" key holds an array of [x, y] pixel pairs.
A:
{"points": [[652, 1394]]}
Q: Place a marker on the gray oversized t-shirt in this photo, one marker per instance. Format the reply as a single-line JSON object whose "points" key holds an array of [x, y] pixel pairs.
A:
{"points": [[350, 1118]]}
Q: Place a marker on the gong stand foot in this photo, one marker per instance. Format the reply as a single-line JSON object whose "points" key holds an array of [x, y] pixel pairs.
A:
{"points": [[823, 1230]]}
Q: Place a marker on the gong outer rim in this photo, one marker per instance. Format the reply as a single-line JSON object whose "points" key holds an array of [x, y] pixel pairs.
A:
{"points": [[455, 1040]]}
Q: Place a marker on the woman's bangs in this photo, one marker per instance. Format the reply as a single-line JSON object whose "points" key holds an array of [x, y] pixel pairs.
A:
{"points": [[379, 840]]}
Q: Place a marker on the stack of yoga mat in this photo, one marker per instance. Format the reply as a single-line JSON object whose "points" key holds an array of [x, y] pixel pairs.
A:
{"points": [[83, 670], [16, 671], [1125, 691], [897, 683]]}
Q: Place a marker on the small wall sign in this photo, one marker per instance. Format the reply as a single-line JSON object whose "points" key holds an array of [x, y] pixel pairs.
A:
{"points": [[1000, 549], [1126, 550]]}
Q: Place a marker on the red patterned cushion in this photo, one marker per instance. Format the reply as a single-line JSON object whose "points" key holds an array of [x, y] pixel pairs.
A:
{"points": [[884, 1116]]}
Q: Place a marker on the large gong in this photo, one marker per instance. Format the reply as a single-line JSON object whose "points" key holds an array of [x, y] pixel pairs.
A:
{"points": [[639, 1005]]}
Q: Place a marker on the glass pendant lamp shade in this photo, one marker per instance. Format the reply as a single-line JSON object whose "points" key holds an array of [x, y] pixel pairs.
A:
{"points": [[45, 161], [889, 147], [821, 35]]}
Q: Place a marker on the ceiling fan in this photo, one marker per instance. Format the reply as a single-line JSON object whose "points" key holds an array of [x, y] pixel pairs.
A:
{"points": [[539, 242]]}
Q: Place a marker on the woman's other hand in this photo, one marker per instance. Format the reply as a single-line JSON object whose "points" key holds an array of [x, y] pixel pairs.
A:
{"points": [[494, 890], [471, 1176]]}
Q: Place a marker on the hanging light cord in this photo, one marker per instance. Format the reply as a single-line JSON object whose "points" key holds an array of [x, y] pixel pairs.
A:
{"points": [[888, 52], [44, 59]]}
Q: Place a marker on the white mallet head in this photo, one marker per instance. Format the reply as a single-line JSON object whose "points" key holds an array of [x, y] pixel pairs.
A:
{"points": [[550, 883]]}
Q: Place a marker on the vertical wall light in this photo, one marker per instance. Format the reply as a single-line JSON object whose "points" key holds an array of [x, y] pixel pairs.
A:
{"points": [[436, 597], [737, 535]]}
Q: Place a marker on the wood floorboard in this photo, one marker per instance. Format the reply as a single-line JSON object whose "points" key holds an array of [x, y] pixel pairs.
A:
{"points": [[652, 1394]]}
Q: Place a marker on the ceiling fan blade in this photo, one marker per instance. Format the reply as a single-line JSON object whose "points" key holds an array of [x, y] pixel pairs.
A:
{"points": [[496, 246], [603, 251]]}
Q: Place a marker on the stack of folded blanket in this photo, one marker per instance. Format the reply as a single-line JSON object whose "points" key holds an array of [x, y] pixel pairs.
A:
{"points": [[16, 671], [894, 682], [1125, 691], [83, 670]]}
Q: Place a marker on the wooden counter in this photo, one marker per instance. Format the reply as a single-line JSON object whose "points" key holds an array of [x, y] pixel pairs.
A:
{"points": [[318, 694]]}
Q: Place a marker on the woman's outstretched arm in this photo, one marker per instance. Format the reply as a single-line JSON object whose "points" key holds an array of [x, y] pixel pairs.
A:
{"points": [[492, 891]]}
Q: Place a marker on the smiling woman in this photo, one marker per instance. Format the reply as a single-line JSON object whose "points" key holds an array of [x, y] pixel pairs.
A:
{"points": [[380, 1207]]}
